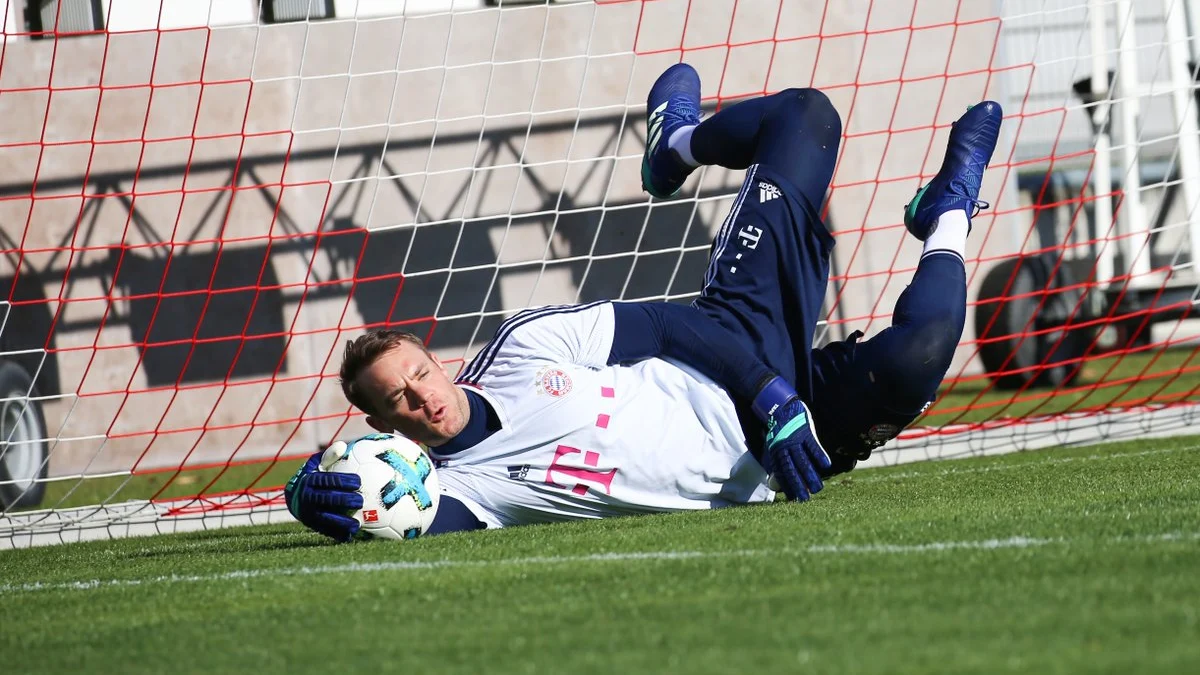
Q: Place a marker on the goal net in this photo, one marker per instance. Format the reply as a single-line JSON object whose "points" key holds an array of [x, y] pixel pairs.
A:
{"points": [[203, 201]]}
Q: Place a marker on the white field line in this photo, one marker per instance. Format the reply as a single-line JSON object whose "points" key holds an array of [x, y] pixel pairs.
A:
{"points": [[401, 566], [1017, 466]]}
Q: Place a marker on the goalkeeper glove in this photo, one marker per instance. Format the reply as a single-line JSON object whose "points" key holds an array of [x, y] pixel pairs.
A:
{"points": [[793, 456], [321, 500]]}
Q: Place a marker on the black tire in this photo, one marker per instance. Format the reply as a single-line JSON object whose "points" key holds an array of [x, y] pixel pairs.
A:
{"points": [[23, 448], [1003, 323]]}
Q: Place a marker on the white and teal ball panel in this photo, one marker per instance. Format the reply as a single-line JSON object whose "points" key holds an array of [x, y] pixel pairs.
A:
{"points": [[399, 484]]}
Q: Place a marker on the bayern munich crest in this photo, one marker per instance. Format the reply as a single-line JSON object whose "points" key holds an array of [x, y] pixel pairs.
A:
{"points": [[555, 382]]}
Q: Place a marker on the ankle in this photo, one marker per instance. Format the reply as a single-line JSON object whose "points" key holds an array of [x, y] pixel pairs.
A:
{"points": [[949, 234], [680, 143]]}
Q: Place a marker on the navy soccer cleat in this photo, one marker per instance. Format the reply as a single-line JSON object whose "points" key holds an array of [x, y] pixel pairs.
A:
{"points": [[674, 102], [956, 185]]}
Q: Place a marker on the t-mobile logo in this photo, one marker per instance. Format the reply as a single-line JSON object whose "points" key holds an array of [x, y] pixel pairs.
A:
{"points": [[598, 479], [748, 237], [767, 192]]}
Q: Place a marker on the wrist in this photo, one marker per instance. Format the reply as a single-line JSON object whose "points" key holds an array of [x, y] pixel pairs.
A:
{"points": [[772, 394]]}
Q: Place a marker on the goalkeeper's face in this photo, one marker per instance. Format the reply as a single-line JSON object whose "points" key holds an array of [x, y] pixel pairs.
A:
{"points": [[411, 393]]}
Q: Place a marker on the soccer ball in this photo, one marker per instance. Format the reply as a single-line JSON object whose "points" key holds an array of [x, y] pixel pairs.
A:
{"points": [[399, 486]]}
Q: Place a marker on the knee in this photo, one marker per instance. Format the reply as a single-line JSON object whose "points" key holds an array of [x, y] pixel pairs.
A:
{"points": [[814, 108], [799, 139]]}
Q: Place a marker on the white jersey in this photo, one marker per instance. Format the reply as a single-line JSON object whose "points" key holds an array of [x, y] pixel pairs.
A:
{"points": [[582, 439]]}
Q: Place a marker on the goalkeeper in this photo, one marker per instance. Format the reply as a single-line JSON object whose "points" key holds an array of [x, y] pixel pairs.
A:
{"points": [[619, 408]]}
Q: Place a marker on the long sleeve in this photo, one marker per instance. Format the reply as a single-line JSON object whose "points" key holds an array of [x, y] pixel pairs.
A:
{"points": [[453, 516]]}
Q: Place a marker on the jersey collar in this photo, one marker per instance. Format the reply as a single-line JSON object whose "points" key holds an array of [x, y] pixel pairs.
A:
{"points": [[484, 421]]}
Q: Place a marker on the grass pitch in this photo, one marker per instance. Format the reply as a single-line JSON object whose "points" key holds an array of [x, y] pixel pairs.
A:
{"points": [[1080, 560]]}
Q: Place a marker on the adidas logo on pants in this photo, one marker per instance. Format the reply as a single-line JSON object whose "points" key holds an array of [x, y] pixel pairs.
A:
{"points": [[767, 192]]}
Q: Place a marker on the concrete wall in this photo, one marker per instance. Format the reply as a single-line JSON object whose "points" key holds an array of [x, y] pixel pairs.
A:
{"points": [[190, 187]]}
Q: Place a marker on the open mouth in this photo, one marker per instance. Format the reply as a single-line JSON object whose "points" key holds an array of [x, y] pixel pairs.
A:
{"points": [[438, 415]]}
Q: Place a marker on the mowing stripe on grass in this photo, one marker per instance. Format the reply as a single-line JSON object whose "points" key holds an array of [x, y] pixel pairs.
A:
{"points": [[1019, 465], [400, 565]]}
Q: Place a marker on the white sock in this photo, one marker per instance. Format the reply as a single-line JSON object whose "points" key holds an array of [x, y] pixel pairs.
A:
{"points": [[949, 235], [681, 142]]}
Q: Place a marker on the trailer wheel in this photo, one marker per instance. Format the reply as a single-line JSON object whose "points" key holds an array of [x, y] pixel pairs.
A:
{"points": [[1025, 341], [23, 447]]}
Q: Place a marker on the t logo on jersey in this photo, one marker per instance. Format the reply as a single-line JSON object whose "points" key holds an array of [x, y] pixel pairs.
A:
{"points": [[748, 237], [767, 192], [602, 479]]}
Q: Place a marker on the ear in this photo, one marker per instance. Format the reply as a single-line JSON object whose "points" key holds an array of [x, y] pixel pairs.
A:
{"points": [[379, 425], [438, 362]]}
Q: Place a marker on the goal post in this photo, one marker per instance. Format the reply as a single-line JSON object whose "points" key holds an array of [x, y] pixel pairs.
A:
{"points": [[204, 201]]}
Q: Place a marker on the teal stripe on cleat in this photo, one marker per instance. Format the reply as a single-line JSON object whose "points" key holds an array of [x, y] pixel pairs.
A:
{"points": [[648, 186], [911, 211]]}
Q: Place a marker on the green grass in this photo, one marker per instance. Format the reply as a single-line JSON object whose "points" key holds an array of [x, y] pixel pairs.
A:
{"points": [[1064, 561]]}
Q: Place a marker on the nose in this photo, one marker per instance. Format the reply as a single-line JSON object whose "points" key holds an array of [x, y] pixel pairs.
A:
{"points": [[420, 395], [415, 396]]}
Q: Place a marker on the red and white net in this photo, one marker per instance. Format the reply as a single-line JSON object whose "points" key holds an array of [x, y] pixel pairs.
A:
{"points": [[199, 208]]}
